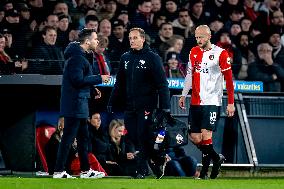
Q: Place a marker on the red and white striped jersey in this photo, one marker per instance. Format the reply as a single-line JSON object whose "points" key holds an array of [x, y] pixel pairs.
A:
{"points": [[204, 75]]}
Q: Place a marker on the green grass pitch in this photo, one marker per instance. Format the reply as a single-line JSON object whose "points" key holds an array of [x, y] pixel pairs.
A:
{"points": [[149, 183]]}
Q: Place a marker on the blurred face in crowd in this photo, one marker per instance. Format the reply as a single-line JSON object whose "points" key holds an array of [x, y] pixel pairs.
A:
{"points": [[235, 29], [90, 3], [96, 120], [197, 9], [244, 41], [233, 2], [9, 39], [124, 18], [36, 3], [156, 5], [173, 63], [63, 24], [105, 27], [225, 38], [184, 18], [136, 40], [26, 14], [118, 32], [275, 40], [178, 45], [273, 4], [123, 2], [2, 44], [216, 25], [61, 8], [171, 6], [52, 20], [277, 18], [166, 31], [92, 25], [203, 36], [111, 7], [264, 50], [236, 16], [13, 19], [2, 15], [8, 6], [160, 20], [245, 24], [145, 7], [50, 37]]}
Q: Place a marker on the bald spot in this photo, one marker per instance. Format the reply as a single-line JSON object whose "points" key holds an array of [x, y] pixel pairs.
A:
{"points": [[203, 29]]}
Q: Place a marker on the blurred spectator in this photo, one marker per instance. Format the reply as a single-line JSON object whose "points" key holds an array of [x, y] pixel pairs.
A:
{"points": [[2, 16], [213, 9], [165, 33], [8, 5], [250, 12], [225, 42], [180, 164], [116, 154], [38, 12], [235, 29], [7, 65], [235, 15], [197, 12], [63, 32], [277, 21], [171, 9], [48, 59], [243, 43], [105, 27], [274, 39], [245, 24], [174, 67], [61, 7], [108, 10], [265, 69], [119, 42], [156, 6], [216, 24], [124, 5], [183, 25], [92, 22], [82, 20], [123, 15], [88, 4], [158, 19], [142, 16]]}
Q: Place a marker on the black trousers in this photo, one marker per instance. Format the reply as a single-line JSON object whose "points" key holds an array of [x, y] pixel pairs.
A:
{"points": [[73, 128], [138, 124]]}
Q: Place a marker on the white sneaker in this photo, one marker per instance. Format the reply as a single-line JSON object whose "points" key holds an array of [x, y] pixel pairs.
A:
{"points": [[41, 173], [92, 174], [62, 175]]}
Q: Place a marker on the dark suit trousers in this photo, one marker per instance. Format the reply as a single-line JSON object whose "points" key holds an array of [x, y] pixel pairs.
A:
{"points": [[73, 128]]}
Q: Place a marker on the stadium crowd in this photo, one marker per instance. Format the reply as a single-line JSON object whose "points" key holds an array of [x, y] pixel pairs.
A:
{"points": [[35, 33]]}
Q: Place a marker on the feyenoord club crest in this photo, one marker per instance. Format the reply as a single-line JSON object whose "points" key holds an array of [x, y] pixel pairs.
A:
{"points": [[211, 57]]}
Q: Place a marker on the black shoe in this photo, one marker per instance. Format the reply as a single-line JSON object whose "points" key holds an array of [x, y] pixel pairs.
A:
{"points": [[159, 168], [217, 166], [139, 176], [203, 176]]}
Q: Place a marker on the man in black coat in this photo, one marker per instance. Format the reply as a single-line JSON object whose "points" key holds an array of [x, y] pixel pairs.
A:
{"points": [[75, 93], [140, 81]]}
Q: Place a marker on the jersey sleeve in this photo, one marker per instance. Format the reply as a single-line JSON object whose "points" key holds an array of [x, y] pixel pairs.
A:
{"points": [[188, 79], [225, 65], [224, 61]]}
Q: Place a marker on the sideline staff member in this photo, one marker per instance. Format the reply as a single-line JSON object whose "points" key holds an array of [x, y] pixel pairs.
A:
{"points": [[141, 81]]}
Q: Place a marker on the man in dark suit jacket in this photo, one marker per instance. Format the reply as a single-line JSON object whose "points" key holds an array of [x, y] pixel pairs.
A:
{"points": [[75, 93]]}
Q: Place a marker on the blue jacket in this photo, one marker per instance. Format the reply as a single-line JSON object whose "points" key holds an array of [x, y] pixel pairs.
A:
{"points": [[77, 81]]}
